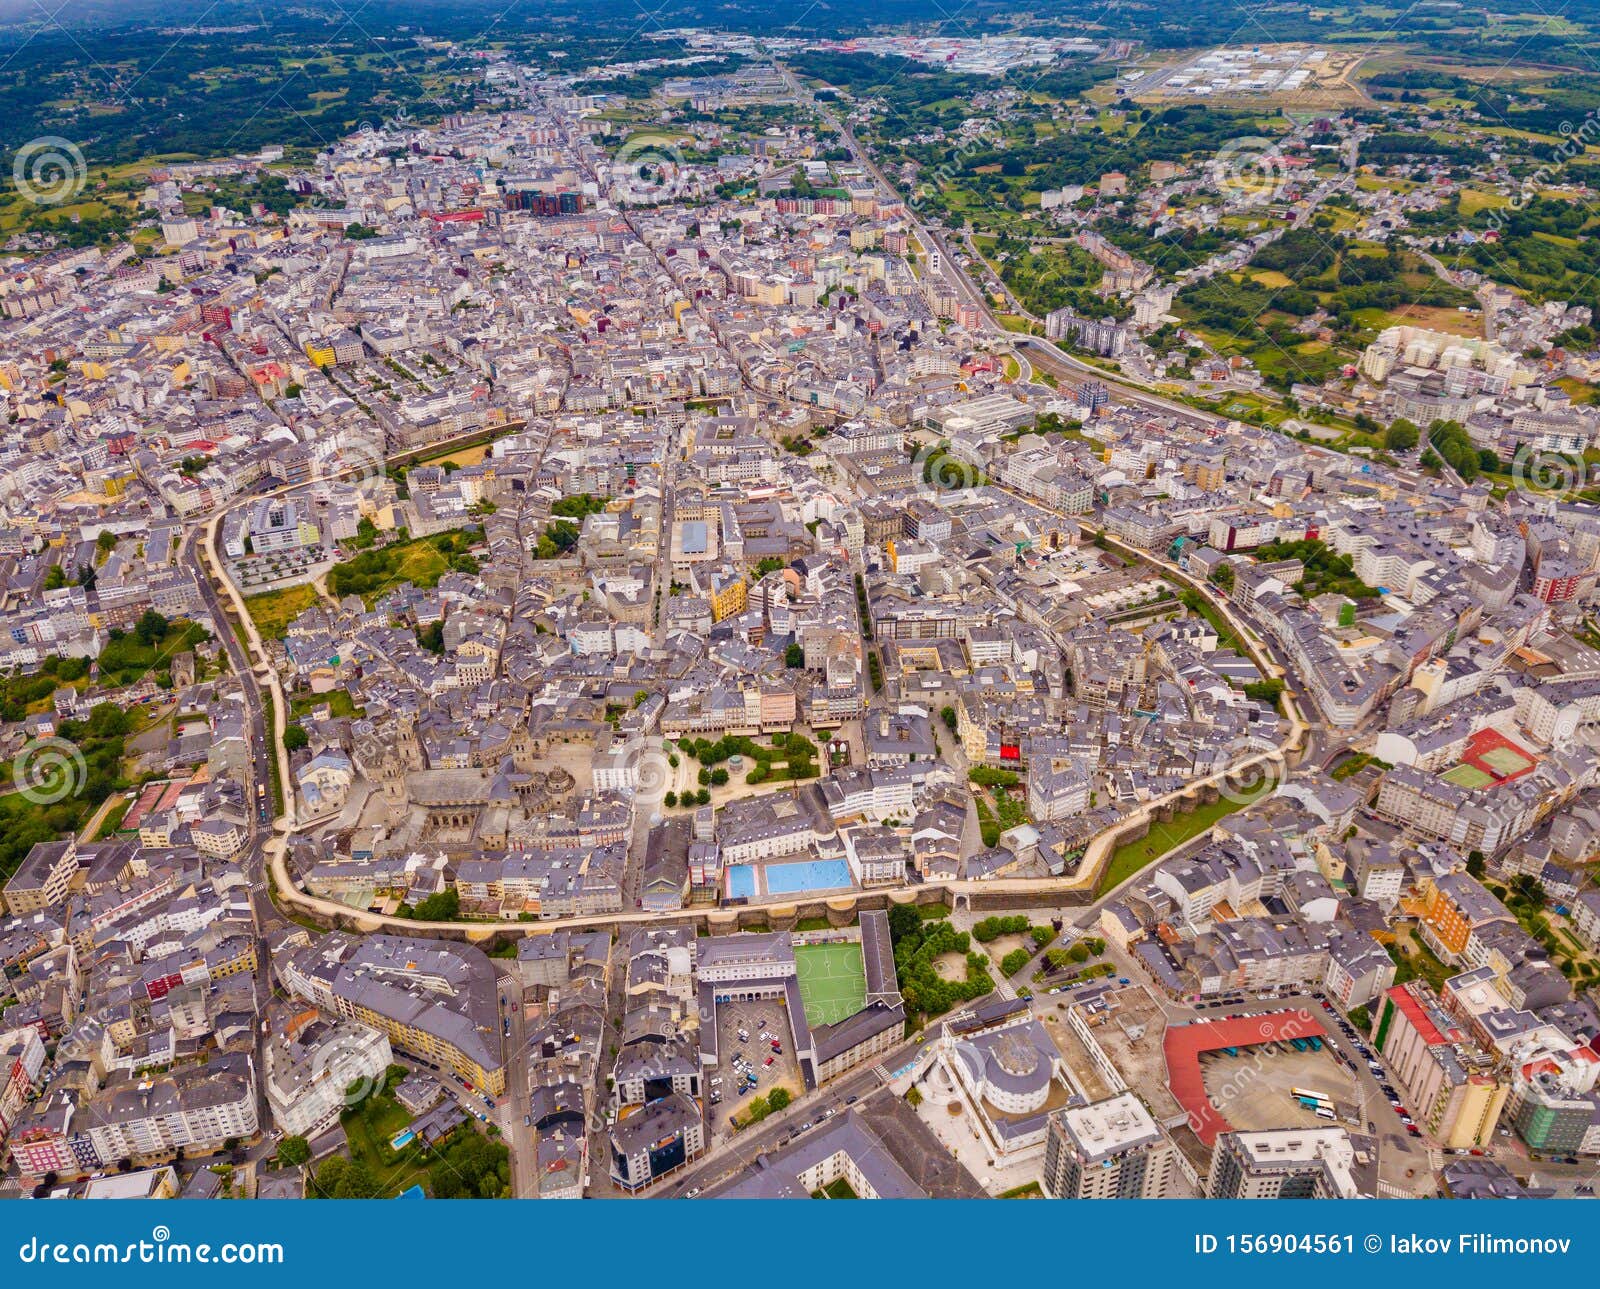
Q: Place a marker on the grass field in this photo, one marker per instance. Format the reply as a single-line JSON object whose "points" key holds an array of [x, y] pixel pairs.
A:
{"points": [[1467, 776], [1434, 317], [1132, 856], [273, 611], [369, 1129], [461, 456], [422, 561], [833, 981], [1272, 279], [339, 702]]}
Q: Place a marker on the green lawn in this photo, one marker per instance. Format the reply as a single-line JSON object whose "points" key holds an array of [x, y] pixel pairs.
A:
{"points": [[339, 702], [422, 561], [1413, 959], [371, 1126], [1467, 776], [273, 611], [833, 981], [1132, 856], [113, 819]]}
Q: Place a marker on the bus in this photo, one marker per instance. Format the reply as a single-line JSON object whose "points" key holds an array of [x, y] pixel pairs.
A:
{"points": [[1311, 1095]]}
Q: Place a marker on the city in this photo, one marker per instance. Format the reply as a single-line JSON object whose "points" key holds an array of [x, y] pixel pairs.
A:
{"points": [[886, 612]]}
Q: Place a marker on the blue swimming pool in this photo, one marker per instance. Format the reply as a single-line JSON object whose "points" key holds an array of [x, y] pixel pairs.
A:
{"points": [[813, 875], [741, 882]]}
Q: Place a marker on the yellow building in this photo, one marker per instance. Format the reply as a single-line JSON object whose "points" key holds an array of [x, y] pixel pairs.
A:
{"points": [[728, 597]]}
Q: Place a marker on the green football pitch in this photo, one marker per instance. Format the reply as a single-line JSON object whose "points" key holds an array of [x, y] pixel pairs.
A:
{"points": [[833, 981], [1467, 776]]}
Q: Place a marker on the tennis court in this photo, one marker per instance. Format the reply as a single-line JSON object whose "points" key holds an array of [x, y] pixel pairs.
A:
{"points": [[833, 981], [1497, 756], [1506, 761]]}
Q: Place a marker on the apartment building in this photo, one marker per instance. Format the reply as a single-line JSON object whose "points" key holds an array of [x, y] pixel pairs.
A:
{"points": [[1293, 1163], [1110, 1149], [1453, 1086], [433, 1000]]}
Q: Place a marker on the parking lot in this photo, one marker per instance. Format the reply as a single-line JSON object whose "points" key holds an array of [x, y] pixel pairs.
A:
{"points": [[751, 1055], [1252, 1090]]}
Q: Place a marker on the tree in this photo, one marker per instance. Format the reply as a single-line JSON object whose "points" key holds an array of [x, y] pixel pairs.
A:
{"points": [[1477, 865], [1015, 961], [107, 541], [778, 1098], [295, 738], [904, 920], [1264, 691], [670, 800], [1361, 1019], [150, 628], [719, 776], [445, 906], [471, 1167], [948, 716], [294, 1151], [1401, 436], [341, 1178], [794, 656], [1530, 888]]}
